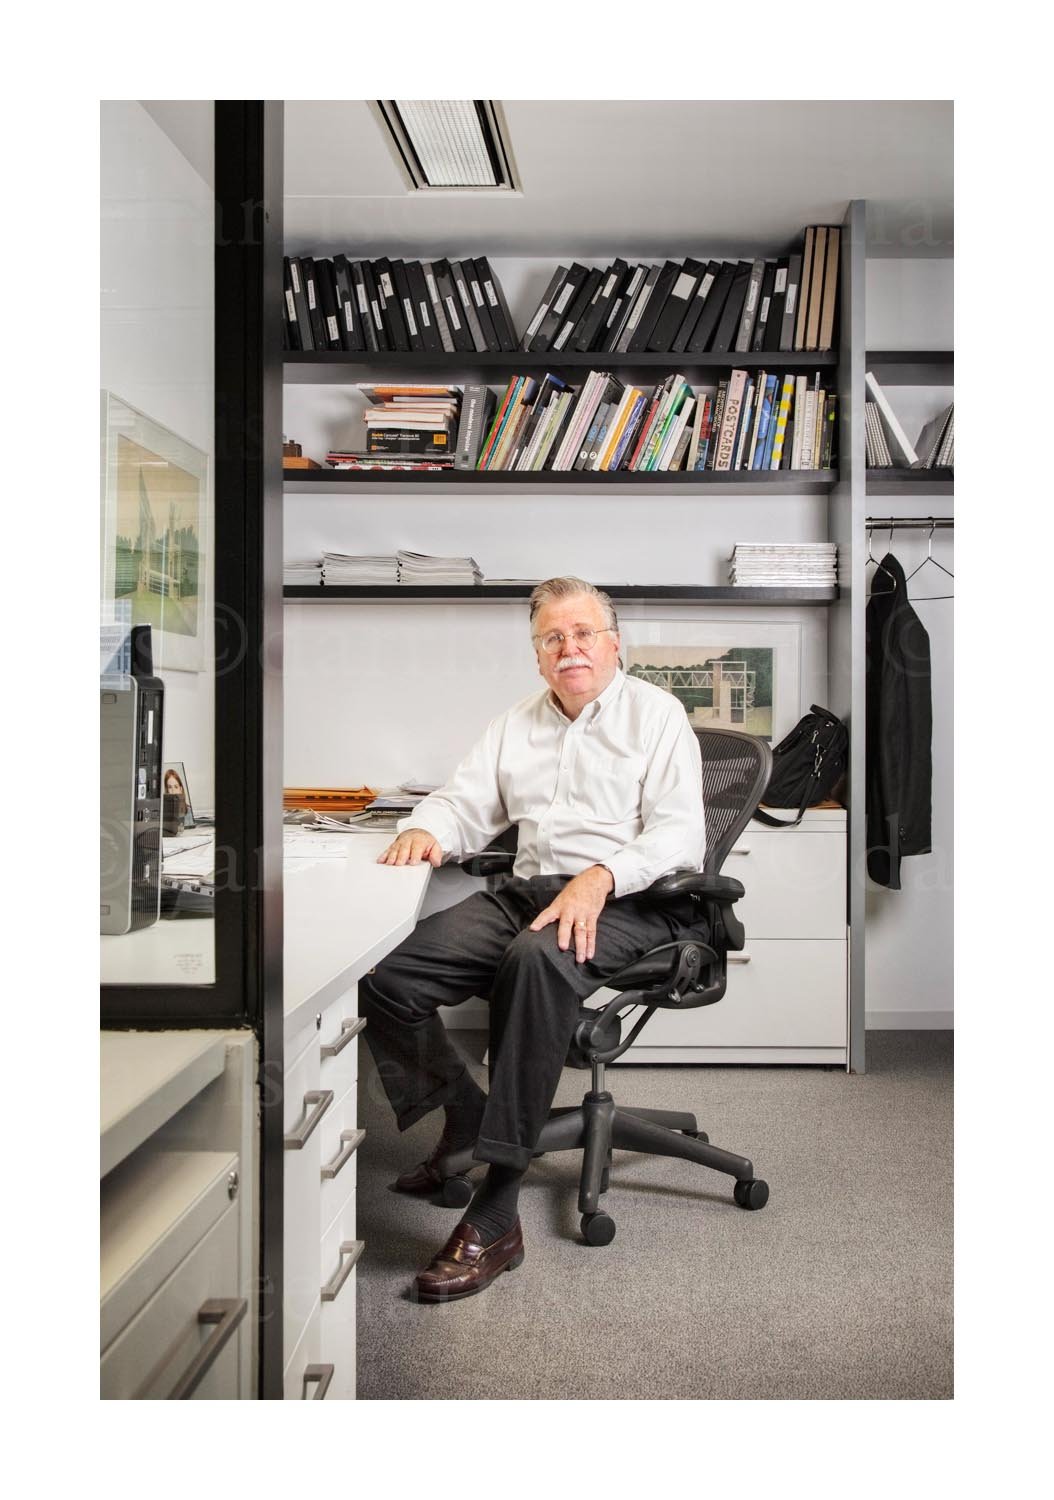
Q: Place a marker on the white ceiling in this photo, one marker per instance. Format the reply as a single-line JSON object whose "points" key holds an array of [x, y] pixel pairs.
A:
{"points": [[633, 177]]}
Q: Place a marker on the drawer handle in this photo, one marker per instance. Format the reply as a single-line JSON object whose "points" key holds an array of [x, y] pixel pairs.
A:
{"points": [[226, 1313], [352, 1139], [323, 1375], [350, 1251], [739, 851], [321, 1099], [739, 958], [348, 1029]]}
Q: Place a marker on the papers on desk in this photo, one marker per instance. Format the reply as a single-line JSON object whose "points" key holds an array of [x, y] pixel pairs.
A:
{"points": [[306, 842]]}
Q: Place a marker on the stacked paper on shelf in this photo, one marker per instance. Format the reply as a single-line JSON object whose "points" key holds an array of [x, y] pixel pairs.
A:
{"points": [[347, 567], [309, 571], [418, 568], [784, 565]]}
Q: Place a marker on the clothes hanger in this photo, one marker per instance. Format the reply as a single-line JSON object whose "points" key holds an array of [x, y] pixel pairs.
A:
{"points": [[876, 563], [929, 558]]}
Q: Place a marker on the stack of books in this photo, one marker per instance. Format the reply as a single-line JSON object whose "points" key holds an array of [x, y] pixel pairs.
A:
{"points": [[384, 463], [417, 421], [351, 568], [877, 449], [363, 306], [419, 569], [759, 420], [307, 571], [936, 442], [806, 565], [696, 306]]}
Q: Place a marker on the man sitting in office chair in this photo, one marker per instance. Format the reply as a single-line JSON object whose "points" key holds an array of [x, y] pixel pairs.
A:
{"points": [[601, 775]]}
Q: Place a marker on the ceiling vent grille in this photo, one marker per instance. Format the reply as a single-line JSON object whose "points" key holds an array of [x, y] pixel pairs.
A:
{"points": [[449, 143]]}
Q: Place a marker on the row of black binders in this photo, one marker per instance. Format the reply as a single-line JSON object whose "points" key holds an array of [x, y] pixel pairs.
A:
{"points": [[694, 306], [370, 306]]}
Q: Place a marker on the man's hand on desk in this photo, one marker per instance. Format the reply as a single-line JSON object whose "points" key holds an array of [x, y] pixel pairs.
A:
{"points": [[577, 908], [412, 847]]}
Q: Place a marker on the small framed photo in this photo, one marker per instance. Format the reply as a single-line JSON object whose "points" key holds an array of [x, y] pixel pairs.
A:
{"points": [[174, 784], [744, 676]]}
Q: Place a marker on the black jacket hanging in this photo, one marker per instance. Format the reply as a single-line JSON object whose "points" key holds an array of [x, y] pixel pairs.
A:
{"points": [[899, 727]]}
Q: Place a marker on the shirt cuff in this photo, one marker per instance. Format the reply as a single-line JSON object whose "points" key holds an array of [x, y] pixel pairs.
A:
{"points": [[626, 873], [432, 824]]}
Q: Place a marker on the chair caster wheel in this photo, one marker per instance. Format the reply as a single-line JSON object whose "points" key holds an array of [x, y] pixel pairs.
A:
{"points": [[598, 1229], [752, 1193], [457, 1192], [697, 1135]]}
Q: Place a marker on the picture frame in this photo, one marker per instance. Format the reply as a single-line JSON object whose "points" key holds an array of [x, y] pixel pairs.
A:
{"points": [[753, 667], [154, 562]]}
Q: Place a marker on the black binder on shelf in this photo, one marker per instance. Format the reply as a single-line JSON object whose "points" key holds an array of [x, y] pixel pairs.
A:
{"points": [[636, 312], [559, 308], [352, 338], [693, 312], [545, 302], [576, 312], [455, 317], [621, 304], [405, 299], [362, 303], [499, 308], [751, 304], [596, 316], [671, 316], [790, 304], [774, 326], [383, 342], [314, 305], [713, 309], [728, 327], [290, 328], [468, 307], [326, 290], [446, 338], [422, 304], [388, 301], [479, 299], [651, 313]]}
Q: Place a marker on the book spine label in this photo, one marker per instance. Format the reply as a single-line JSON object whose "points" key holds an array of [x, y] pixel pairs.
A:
{"points": [[730, 421]]}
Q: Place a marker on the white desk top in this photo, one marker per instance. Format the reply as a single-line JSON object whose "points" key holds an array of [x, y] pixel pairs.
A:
{"points": [[341, 916]]}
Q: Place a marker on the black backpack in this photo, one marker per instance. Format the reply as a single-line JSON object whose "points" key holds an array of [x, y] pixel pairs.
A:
{"points": [[806, 766]]}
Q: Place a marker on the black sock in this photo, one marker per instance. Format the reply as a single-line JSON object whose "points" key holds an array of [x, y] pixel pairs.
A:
{"points": [[494, 1208], [464, 1113]]}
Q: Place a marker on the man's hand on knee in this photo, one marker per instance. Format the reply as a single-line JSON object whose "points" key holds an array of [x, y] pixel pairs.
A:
{"points": [[577, 908], [412, 847]]}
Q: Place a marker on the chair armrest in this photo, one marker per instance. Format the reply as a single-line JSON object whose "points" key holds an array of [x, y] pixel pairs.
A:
{"points": [[489, 862], [721, 888]]}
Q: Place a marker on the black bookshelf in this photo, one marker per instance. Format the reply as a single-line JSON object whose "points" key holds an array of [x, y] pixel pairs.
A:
{"points": [[323, 366], [491, 592], [781, 481]]}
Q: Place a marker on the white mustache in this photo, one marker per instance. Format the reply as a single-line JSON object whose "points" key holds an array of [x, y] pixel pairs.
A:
{"points": [[573, 661]]}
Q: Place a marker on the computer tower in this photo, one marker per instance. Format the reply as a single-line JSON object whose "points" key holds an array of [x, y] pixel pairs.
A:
{"points": [[131, 713]]}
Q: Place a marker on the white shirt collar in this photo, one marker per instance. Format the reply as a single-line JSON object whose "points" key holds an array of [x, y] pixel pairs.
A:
{"points": [[591, 710]]}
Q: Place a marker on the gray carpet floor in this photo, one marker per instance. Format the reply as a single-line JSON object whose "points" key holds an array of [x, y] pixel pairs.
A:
{"points": [[840, 1288]]}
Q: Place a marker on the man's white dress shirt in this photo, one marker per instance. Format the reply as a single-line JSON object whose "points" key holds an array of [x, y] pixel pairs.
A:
{"points": [[619, 786]]}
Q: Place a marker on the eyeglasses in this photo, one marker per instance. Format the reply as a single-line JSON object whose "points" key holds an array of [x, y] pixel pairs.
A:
{"points": [[584, 636]]}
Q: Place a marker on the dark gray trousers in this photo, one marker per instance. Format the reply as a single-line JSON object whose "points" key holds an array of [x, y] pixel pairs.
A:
{"points": [[483, 947]]}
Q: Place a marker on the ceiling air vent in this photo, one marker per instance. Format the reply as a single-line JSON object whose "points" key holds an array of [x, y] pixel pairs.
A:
{"points": [[449, 143]]}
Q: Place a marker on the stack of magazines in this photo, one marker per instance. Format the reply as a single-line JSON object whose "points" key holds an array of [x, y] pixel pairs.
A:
{"points": [[386, 463], [345, 567], [784, 565], [419, 569], [308, 571]]}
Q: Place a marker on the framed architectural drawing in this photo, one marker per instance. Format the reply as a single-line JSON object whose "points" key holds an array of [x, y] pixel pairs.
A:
{"points": [[735, 676], [153, 561]]}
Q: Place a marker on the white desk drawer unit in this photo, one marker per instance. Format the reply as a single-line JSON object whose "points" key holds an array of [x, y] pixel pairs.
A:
{"points": [[787, 996], [322, 1139]]}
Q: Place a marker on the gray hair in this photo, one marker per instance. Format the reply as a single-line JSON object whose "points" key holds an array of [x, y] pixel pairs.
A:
{"points": [[566, 588]]}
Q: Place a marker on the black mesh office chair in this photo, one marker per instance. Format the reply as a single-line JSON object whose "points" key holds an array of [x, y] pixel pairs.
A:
{"points": [[680, 975]]}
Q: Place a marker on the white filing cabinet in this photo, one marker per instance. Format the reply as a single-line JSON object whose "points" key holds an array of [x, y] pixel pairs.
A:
{"points": [[320, 1246], [178, 1150], [787, 996]]}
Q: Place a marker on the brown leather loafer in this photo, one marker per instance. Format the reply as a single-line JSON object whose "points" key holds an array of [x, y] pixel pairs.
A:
{"points": [[464, 1266], [425, 1177]]}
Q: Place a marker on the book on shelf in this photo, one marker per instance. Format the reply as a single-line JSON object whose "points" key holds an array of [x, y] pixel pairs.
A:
{"points": [[784, 565], [900, 447], [477, 404], [936, 441], [468, 308]]}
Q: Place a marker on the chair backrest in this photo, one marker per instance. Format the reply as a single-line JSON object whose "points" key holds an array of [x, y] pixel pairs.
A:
{"points": [[736, 769]]}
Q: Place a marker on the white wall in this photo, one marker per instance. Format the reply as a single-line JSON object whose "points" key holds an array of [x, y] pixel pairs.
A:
{"points": [[156, 340], [910, 931]]}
